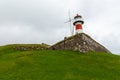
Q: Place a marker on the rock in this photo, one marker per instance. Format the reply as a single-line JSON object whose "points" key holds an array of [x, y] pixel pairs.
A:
{"points": [[79, 42]]}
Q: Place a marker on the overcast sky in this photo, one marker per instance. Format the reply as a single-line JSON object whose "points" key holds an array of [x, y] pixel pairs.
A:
{"points": [[42, 21]]}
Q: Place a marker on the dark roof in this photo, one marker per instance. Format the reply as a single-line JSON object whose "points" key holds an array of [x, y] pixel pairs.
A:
{"points": [[77, 16]]}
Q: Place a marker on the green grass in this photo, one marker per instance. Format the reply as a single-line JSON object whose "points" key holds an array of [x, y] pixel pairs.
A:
{"points": [[57, 65]]}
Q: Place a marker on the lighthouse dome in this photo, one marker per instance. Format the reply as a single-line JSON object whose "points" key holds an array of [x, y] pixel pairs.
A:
{"points": [[78, 18]]}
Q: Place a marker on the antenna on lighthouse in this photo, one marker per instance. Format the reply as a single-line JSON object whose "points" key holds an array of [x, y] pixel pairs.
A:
{"points": [[70, 21]]}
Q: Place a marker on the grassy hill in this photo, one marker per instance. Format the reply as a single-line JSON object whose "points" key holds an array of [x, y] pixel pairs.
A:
{"points": [[57, 65]]}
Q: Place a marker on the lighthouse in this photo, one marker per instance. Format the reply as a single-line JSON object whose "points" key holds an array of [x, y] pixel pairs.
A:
{"points": [[78, 22]]}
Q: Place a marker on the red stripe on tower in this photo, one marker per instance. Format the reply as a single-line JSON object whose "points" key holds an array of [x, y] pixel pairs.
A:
{"points": [[78, 26]]}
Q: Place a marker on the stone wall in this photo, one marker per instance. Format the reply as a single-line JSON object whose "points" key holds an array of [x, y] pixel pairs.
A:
{"points": [[23, 47], [80, 42]]}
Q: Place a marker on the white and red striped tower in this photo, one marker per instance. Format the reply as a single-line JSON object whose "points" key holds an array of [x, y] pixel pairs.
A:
{"points": [[78, 24]]}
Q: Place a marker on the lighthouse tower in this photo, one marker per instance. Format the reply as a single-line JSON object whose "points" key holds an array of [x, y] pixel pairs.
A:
{"points": [[78, 24]]}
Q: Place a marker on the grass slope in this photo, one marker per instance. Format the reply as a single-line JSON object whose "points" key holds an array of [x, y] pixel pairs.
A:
{"points": [[57, 65]]}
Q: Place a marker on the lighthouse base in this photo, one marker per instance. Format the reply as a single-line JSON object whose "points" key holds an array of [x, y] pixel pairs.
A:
{"points": [[79, 31], [80, 42]]}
